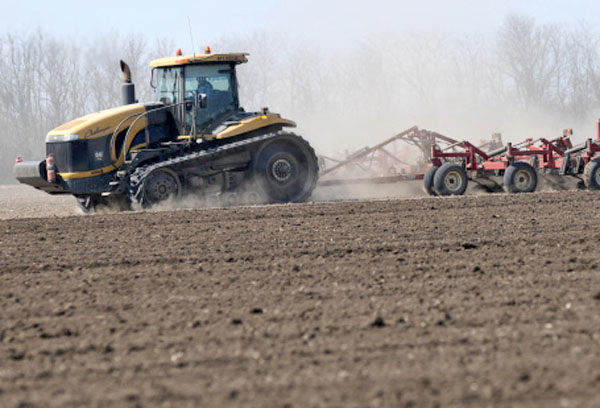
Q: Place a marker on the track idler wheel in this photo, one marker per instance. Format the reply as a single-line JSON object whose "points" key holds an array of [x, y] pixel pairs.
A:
{"points": [[520, 177], [285, 169], [251, 198], [591, 175], [161, 185], [450, 179], [213, 201], [230, 199], [428, 180]]}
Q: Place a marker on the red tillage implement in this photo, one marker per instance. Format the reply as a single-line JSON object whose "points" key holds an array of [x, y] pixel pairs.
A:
{"points": [[386, 162], [514, 167]]}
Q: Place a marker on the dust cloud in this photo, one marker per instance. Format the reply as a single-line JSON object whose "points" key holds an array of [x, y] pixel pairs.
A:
{"points": [[519, 81], [404, 189]]}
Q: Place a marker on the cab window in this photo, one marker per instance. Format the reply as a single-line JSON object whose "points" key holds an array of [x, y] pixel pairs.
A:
{"points": [[217, 83], [167, 85]]}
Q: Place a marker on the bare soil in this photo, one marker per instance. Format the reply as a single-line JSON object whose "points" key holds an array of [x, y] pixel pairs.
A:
{"points": [[476, 301], [20, 201]]}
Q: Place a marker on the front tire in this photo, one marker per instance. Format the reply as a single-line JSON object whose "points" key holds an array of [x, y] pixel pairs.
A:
{"points": [[520, 177], [450, 179], [285, 169]]}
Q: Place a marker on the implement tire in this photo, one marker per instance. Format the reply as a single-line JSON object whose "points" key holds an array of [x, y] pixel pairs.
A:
{"points": [[450, 179], [428, 180], [520, 177], [591, 175]]}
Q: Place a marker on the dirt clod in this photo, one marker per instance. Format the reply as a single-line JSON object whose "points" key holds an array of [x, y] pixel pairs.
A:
{"points": [[525, 377], [17, 355], [378, 322]]}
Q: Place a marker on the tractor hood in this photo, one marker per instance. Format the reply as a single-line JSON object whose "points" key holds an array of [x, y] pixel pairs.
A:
{"points": [[96, 125], [97, 144]]}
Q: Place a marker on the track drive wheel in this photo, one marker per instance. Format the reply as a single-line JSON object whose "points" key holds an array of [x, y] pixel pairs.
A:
{"points": [[450, 179], [161, 185], [591, 175], [285, 169], [428, 180], [520, 177]]}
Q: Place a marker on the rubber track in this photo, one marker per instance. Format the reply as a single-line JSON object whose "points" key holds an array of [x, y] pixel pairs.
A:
{"points": [[138, 177]]}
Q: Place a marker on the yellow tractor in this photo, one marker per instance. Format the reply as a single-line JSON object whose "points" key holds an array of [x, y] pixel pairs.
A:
{"points": [[194, 139]]}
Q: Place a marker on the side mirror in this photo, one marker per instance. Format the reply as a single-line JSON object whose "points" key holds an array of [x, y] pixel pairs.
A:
{"points": [[201, 101], [153, 78]]}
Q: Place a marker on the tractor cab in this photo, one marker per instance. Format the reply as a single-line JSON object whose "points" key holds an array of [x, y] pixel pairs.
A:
{"points": [[179, 80]]}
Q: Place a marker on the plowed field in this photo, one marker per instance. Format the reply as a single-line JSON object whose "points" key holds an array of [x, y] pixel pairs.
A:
{"points": [[430, 302]]}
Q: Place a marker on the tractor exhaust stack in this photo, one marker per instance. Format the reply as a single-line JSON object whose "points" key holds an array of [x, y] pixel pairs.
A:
{"points": [[127, 87]]}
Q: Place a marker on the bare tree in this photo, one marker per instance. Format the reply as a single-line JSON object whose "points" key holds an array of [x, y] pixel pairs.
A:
{"points": [[419, 60], [533, 59], [582, 82]]}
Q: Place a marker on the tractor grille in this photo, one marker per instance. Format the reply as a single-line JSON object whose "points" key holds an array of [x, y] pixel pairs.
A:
{"points": [[80, 155]]}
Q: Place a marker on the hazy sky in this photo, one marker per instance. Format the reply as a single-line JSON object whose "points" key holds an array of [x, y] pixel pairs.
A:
{"points": [[325, 23]]}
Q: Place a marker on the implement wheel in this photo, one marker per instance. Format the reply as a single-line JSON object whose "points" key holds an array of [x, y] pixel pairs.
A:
{"points": [[450, 179], [520, 177], [591, 175], [285, 169], [428, 180], [161, 185]]}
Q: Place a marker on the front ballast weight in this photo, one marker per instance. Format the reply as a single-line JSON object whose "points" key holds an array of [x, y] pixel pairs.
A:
{"points": [[513, 168]]}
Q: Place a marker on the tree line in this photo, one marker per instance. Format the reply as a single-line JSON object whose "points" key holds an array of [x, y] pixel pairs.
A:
{"points": [[525, 79]]}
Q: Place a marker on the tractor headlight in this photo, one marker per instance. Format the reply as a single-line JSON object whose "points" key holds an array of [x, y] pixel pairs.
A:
{"points": [[61, 138]]}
